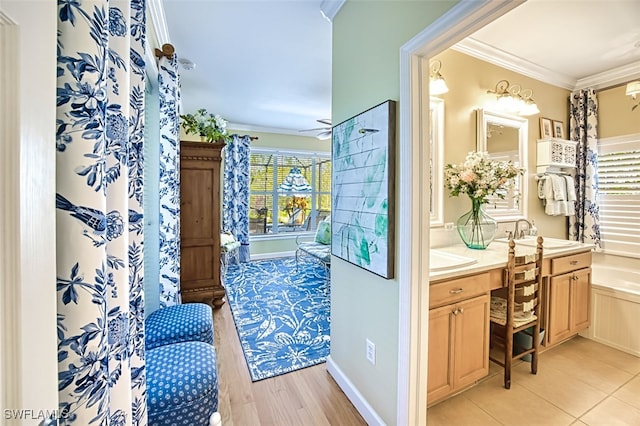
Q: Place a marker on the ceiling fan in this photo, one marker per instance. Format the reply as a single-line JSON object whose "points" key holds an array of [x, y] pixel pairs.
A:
{"points": [[324, 132]]}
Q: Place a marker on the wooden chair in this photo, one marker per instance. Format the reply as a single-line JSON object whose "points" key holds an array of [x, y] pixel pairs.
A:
{"points": [[515, 308]]}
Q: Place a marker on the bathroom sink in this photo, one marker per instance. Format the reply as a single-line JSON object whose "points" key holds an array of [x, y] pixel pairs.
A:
{"points": [[549, 243], [441, 261]]}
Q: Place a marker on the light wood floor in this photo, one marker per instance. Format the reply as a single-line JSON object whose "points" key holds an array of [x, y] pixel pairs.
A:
{"points": [[580, 382], [306, 397]]}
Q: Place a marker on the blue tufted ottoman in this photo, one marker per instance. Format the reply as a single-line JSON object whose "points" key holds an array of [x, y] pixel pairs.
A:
{"points": [[179, 323], [182, 384]]}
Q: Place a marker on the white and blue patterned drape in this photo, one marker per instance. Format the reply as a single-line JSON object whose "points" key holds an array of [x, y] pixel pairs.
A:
{"points": [[583, 128], [235, 203], [169, 223], [99, 139]]}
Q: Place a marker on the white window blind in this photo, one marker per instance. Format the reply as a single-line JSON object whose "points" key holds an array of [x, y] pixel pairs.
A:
{"points": [[619, 199]]}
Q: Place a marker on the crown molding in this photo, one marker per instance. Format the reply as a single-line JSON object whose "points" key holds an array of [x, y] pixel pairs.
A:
{"points": [[610, 78], [157, 35], [264, 129], [155, 15], [487, 53], [330, 8]]}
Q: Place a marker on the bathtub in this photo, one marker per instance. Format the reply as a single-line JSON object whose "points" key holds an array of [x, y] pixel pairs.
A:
{"points": [[615, 308]]}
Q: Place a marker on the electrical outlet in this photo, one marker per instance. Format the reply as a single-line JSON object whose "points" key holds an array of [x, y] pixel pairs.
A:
{"points": [[448, 226], [371, 352]]}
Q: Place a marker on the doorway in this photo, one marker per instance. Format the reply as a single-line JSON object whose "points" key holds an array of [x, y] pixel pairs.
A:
{"points": [[459, 22]]}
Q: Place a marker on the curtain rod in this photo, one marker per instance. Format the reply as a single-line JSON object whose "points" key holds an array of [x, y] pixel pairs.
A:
{"points": [[253, 138], [167, 51]]}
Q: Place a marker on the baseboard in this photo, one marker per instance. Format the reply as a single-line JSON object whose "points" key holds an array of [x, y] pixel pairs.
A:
{"points": [[366, 411], [263, 256]]}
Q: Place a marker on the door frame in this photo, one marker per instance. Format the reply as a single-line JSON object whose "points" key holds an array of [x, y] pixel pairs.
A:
{"points": [[460, 21]]}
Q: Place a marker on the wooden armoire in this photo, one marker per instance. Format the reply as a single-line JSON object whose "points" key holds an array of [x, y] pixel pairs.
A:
{"points": [[200, 177]]}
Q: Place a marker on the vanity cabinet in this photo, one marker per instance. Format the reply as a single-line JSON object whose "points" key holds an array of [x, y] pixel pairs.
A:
{"points": [[569, 301], [458, 334]]}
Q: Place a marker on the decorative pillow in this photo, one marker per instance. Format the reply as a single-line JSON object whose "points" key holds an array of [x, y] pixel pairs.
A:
{"points": [[323, 233], [226, 238]]}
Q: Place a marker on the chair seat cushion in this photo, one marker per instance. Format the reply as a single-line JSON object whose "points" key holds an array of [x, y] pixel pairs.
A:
{"points": [[182, 384], [179, 323], [317, 250], [228, 247]]}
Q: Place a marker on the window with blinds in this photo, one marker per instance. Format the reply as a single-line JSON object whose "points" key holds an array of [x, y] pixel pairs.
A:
{"points": [[289, 191], [619, 194]]}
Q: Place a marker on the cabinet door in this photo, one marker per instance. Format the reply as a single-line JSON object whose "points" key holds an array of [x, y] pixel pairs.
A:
{"points": [[440, 373], [471, 341], [559, 326], [580, 299]]}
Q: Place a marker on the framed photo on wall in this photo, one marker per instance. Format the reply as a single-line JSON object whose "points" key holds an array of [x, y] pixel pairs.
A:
{"points": [[558, 129], [363, 189], [546, 128]]}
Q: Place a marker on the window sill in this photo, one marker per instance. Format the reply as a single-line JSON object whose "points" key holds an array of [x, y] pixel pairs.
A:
{"points": [[280, 236]]}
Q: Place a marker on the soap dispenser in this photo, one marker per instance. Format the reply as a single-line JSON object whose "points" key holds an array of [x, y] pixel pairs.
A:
{"points": [[533, 231]]}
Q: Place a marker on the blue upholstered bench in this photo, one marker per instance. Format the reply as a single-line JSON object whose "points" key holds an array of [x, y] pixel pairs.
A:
{"points": [[179, 323], [182, 384], [320, 247]]}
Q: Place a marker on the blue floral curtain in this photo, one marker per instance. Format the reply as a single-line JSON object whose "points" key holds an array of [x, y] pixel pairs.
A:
{"points": [[169, 223], [585, 225], [99, 139], [235, 204]]}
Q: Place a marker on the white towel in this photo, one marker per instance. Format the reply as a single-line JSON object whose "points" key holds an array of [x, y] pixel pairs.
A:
{"points": [[552, 207], [571, 188], [542, 182], [570, 204], [559, 187]]}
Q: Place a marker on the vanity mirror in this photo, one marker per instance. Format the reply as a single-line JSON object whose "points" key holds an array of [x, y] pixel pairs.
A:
{"points": [[504, 137]]}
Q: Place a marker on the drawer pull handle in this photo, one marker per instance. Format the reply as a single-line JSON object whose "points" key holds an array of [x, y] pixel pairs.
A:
{"points": [[456, 291], [574, 262]]}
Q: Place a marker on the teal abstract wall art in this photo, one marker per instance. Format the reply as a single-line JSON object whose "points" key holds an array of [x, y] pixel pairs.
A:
{"points": [[363, 161]]}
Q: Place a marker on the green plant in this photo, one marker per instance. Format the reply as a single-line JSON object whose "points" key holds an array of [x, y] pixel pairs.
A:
{"points": [[210, 126]]}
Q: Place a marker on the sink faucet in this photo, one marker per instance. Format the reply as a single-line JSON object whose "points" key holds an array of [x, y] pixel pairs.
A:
{"points": [[518, 233]]}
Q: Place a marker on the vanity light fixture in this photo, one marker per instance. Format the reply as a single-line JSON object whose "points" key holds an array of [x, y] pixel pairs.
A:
{"points": [[437, 85], [513, 99], [633, 89]]}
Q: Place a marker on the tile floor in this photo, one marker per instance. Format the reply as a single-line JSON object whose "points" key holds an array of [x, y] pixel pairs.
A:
{"points": [[580, 382]]}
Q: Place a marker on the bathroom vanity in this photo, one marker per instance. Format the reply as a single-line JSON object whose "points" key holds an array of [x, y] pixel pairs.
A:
{"points": [[459, 304]]}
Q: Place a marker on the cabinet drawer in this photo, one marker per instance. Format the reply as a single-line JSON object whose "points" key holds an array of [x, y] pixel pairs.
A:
{"points": [[564, 264], [459, 289]]}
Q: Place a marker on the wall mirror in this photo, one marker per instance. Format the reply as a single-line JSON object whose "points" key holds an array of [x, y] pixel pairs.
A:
{"points": [[436, 160], [504, 137]]}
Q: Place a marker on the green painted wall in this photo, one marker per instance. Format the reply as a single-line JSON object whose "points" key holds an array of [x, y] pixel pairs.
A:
{"points": [[367, 37]]}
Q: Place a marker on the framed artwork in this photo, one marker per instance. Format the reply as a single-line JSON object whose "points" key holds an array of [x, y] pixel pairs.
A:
{"points": [[558, 129], [363, 196], [546, 128]]}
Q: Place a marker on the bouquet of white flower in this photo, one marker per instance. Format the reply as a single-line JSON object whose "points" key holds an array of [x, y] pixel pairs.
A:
{"points": [[479, 176], [211, 127]]}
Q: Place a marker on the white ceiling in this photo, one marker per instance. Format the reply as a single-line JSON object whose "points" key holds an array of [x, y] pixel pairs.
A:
{"points": [[266, 64], [261, 63]]}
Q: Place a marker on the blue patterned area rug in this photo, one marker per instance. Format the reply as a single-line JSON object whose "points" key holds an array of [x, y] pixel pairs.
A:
{"points": [[282, 315]]}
